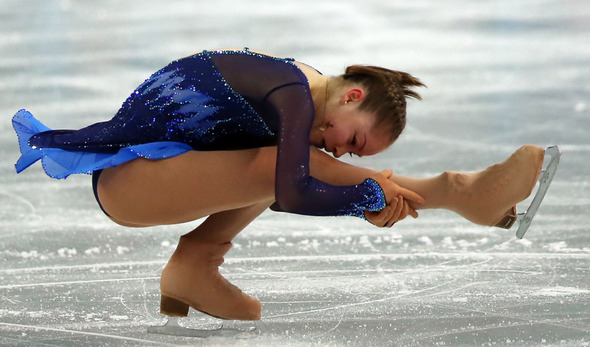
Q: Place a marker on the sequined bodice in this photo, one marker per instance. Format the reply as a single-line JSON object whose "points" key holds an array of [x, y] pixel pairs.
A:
{"points": [[187, 101]]}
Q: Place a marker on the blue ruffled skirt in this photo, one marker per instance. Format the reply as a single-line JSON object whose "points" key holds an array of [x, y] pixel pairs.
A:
{"points": [[59, 163]]}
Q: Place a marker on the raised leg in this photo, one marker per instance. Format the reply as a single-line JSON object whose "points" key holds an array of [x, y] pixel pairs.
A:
{"points": [[486, 197]]}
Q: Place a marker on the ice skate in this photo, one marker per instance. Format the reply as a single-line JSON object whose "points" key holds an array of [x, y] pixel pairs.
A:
{"points": [[191, 279], [525, 218], [489, 197], [226, 329]]}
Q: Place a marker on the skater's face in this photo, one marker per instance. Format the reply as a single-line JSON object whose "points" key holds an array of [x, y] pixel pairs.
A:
{"points": [[347, 130]]}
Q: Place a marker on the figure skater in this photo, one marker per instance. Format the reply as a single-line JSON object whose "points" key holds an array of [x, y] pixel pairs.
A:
{"points": [[227, 134]]}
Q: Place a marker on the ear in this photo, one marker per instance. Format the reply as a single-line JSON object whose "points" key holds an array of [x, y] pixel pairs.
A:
{"points": [[354, 95]]}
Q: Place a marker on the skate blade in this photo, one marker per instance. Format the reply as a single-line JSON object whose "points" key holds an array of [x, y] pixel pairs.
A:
{"points": [[545, 179], [227, 329]]}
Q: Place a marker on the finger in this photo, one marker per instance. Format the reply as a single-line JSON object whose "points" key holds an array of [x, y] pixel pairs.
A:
{"points": [[413, 212], [410, 195], [370, 216], [387, 173], [374, 217], [391, 210], [383, 216], [398, 209], [405, 210], [377, 218], [393, 217]]}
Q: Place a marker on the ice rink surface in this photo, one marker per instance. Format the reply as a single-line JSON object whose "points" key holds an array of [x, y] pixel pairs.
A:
{"points": [[499, 73]]}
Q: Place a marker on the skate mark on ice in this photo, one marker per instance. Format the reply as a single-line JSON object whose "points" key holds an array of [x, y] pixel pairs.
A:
{"points": [[145, 314], [526, 321], [385, 256], [332, 329], [17, 341], [145, 302], [87, 333], [61, 283], [26, 202], [430, 268], [298, 302], [383, 299], [459, 331], [227, 328], [9, 300], [435, 268], [413, 256], [82, 267]]}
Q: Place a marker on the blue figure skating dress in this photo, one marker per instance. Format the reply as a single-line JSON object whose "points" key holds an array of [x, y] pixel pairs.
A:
{"points": [[215, 100]]}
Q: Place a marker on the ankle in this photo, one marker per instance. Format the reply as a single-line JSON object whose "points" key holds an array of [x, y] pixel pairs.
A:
{"points": [[461, 193], [193, 239], [449, 185], [191, 250]]}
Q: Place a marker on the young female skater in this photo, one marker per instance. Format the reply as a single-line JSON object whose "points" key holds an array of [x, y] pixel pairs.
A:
{"points": [[226, 134]]}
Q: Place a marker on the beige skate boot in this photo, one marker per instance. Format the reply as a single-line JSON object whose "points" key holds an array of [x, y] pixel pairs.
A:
{"points": [[191, 278], [489, 197]]}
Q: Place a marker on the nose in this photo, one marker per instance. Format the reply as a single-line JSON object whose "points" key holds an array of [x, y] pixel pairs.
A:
{"points": [[338, 152]]}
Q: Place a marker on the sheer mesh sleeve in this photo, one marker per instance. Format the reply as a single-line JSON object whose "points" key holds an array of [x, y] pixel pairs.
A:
{"points": [[295, 190]]}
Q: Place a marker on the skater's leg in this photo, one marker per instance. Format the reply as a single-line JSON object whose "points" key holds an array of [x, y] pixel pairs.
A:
{"points": [[231, 187], [225, 225], [485, 197], [191, 277], [489, 197], [187, 187]]}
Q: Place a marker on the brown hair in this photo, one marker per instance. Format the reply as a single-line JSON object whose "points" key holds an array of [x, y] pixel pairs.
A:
{"points": [[386, 94]]}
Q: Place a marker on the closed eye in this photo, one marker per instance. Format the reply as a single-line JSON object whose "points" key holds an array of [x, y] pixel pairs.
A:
{"points": [[354, 143]]}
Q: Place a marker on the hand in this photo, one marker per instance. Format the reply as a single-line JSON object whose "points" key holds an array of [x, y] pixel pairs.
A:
{"points": [[397, 198], [392, 190], [398, 210]]}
